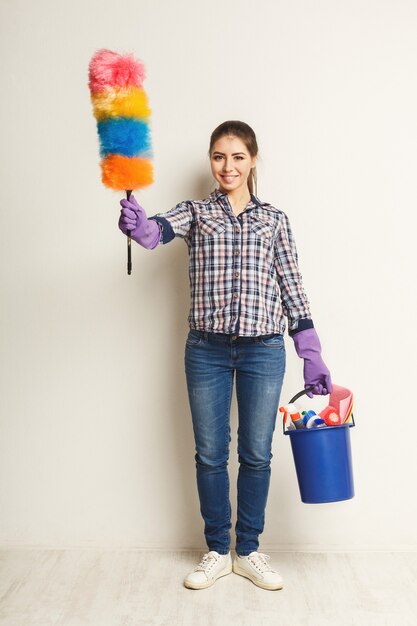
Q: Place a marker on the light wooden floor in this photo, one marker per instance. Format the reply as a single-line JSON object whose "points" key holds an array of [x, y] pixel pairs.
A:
{"points": [[134, 588]]}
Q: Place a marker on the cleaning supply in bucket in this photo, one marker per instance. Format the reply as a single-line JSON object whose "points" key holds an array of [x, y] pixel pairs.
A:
{"points": [[342, 401], [288, 424], [312, 420], [292, 416], [330, 416], [296, 419]]}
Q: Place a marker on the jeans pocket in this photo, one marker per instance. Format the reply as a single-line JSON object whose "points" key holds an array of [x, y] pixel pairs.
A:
{"points": [[272, 341], [194, 338]]}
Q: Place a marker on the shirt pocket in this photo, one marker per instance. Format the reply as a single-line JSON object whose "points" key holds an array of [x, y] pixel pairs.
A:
{"points": [[210, 227], [261, 227]]}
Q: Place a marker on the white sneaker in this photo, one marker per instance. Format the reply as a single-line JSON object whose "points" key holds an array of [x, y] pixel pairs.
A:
{"points": [[211, 567], [255, 567]]}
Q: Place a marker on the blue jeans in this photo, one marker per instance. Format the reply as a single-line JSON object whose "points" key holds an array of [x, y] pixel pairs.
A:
{"points": [[210, 362]]}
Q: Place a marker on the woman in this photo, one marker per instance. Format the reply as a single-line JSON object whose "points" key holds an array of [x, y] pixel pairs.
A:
{"points": [[244, 282]]}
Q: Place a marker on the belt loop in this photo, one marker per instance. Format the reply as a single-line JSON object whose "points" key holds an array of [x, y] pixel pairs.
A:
{"points": [[205, 335]]}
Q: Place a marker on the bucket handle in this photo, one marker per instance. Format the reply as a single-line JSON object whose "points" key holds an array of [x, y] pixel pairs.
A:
{"points": [[302, 393]]}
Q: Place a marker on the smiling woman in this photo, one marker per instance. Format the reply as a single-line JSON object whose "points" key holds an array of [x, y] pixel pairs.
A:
{"points": [[244, 282]]}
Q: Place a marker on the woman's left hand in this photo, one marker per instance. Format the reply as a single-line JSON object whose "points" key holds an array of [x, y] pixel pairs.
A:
{"points": [[316, 374]]}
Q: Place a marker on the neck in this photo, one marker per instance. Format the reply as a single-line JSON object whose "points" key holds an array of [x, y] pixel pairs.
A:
{"points": [[239, 196]]}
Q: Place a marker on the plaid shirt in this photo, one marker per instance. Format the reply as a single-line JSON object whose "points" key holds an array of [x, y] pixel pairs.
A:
{"points": [[243, 269]]}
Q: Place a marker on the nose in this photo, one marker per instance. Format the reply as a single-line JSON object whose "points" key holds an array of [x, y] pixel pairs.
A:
{"points": [[227, 165]]}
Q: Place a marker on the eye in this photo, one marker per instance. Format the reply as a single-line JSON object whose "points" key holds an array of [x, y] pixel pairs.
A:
{"points": [[217, 157], [239, 157]]}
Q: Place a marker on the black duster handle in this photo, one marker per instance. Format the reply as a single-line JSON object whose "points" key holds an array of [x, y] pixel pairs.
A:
{"points": [[129, 242]]}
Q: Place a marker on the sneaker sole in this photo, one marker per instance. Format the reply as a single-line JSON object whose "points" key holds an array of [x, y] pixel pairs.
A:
{"points": [[209, 583], [256, 581]]}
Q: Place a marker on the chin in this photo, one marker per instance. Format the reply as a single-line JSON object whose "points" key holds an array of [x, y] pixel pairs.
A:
{"points": [[228, 186]]}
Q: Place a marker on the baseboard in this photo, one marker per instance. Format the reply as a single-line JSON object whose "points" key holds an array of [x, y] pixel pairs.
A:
{"points": [[263, 548]]}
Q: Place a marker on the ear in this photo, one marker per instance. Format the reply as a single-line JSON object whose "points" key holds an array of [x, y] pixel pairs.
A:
{"points": [[254, 161]]}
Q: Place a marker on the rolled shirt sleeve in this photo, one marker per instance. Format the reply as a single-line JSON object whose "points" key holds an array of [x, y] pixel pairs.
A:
{"points": [[175, 223], [293, 297]]}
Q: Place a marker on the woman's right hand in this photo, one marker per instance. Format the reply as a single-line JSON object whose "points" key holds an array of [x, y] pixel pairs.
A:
{"points": [[133, 221], [132, 216]]}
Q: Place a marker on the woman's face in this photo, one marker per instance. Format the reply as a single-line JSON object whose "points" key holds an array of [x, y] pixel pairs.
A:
{"points": [[231, 163]]}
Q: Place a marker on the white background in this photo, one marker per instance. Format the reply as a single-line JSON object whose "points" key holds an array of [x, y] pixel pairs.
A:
{"points": [[96, 444]]}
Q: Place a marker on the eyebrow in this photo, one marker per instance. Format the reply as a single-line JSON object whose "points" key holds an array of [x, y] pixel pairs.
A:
{"points": [[234, 154]]}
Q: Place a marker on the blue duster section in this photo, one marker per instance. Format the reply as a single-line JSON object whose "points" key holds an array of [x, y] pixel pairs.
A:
{"points": [[124, 135]]}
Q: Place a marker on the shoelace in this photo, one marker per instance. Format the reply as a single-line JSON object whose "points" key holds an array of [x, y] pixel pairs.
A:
{"points": [[208, 560], [259, 560]]}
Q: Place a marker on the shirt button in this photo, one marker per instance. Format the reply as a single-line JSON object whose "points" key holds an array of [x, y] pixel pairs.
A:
{"points": [[237, 252], [234, 317], [235, 295], [237, 274]]}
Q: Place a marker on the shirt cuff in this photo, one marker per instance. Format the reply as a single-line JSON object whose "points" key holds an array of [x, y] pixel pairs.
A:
{"points": [[299, 325], [167, 232]]}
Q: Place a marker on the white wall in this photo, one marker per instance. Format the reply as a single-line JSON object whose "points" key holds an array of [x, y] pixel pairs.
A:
{"points": [[96, 444]]}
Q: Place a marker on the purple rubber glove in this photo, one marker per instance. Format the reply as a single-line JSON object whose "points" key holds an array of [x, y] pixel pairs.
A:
{"points": [[316, 374], [133, 221]]}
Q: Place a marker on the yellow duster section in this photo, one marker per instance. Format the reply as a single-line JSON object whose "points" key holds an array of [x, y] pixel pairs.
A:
{"points": [[123, 102]]}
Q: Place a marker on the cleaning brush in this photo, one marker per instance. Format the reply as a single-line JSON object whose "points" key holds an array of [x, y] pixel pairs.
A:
{"points": [[121, 108]]}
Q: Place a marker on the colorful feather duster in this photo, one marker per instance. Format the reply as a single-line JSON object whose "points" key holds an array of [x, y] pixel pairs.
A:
{"points": [[121, 108]]}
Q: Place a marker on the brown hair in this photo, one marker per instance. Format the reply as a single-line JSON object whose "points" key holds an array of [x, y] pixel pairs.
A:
{"points": [[244, 132]]}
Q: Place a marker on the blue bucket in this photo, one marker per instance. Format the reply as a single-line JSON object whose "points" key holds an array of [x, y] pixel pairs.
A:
{"points": [[323, 462]]}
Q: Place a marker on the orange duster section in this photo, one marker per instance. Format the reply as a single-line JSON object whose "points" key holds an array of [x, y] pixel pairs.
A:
{"points": [[121, 172]]}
